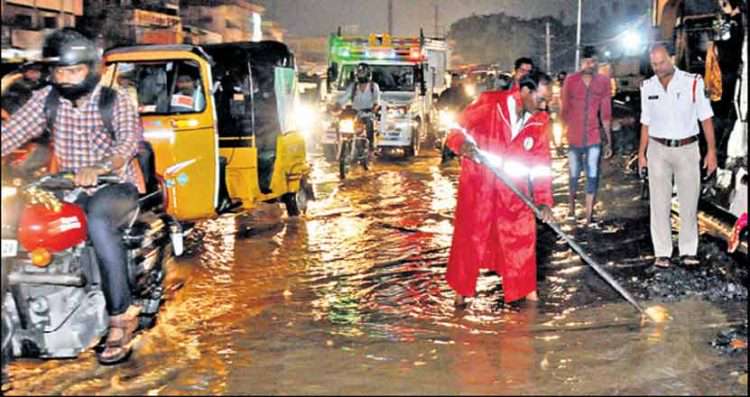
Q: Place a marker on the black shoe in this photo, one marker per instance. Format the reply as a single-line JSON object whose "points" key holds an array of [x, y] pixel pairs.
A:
{"points": [[663, 262]]}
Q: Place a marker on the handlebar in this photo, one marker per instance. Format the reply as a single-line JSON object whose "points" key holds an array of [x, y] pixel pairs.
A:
{"points": [[65, 181]]}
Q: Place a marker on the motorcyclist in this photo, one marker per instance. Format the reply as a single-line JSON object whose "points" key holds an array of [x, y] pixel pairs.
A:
{"points": [[364, 95], [30, 78], [83, 147]]}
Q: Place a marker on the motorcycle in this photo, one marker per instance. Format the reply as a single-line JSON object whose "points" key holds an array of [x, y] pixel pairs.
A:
{"points": [[352, 130], [53, 305]]}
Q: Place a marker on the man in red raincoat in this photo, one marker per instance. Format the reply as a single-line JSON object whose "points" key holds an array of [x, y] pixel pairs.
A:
{"points": [[493, 228]]}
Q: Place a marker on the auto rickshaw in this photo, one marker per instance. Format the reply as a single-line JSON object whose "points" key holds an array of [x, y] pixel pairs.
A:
{"points": [[222, 126]]}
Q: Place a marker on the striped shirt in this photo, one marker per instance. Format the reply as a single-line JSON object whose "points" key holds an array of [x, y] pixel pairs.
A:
{"points": [[80, 139]]}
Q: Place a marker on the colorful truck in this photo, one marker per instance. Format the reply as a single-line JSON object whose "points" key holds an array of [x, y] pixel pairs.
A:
{"points": [[410, 71]]}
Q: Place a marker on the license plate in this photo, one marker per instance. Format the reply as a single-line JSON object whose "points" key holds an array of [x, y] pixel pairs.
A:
{"points": [[10, 248]]}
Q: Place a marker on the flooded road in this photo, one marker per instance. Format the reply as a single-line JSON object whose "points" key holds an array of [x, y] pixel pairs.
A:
{"points": [[351, 299]]}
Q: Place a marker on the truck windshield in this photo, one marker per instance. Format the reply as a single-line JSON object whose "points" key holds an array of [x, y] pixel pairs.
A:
{"points": [[388, 77], [162, 87]]}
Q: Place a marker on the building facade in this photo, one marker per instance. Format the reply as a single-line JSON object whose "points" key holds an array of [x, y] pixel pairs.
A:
{"points": [[232, 20], [26, 22]]}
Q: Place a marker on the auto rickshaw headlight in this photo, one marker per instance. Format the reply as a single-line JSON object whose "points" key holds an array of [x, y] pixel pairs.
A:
{"points": [[306, 117]]}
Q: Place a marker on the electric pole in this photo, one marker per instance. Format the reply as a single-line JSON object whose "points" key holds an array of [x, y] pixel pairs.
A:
{"points": [[548, 40], [390, 17], [437, 16], [578, 38]]}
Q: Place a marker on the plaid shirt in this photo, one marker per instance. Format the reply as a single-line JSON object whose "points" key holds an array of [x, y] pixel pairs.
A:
{"points": [[80, 138]]}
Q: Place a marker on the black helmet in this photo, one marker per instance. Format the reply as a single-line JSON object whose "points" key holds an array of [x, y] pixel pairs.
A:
{"points": [[363, 73], [68, 47]]}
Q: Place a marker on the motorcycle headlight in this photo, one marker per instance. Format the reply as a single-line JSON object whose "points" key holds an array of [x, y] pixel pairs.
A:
{"points": [[9, 191], [346, 125]]}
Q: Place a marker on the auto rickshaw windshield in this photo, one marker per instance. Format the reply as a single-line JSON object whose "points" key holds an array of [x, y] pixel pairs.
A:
{"points": [[161, 87]]}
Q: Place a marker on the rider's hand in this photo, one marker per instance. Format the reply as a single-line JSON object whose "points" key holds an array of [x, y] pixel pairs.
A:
{"points": [[642, 161], [547, 216], [8, 80], [88, 176], [710, 162], [607, 151]]}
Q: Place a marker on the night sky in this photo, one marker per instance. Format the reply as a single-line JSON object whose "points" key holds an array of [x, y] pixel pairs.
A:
{"points": [[320, 17]]}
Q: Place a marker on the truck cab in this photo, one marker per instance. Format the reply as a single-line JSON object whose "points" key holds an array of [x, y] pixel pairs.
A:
{"points": [[408, 70]]}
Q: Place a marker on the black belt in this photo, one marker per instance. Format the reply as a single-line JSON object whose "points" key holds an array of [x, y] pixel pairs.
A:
{"points": [[676, 142]]}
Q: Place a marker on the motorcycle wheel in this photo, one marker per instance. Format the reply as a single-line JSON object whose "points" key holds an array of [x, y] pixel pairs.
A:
{"points": [[366, 160], [344, 160]]}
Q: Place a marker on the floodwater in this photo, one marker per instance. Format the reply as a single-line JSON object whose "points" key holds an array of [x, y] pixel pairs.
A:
{"points": [[351, 299]]}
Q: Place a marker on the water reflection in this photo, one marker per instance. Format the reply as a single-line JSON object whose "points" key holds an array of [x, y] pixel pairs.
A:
{"points": [[499, 363]]}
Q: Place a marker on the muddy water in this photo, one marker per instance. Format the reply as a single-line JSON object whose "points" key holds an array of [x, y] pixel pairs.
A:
{"points": [[352, 300]]}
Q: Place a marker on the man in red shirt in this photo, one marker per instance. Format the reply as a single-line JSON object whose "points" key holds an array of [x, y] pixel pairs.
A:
{"points": [[493, 228], [586, 101]]}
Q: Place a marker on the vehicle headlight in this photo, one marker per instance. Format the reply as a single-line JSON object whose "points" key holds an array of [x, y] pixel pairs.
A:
{"points": [[306, 117], [9, 191], [447, 118], [470, 90], [346, 125], [397, 111]]}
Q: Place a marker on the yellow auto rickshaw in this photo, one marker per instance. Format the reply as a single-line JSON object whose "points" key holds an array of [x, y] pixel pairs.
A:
{"points": [[222, 128]]}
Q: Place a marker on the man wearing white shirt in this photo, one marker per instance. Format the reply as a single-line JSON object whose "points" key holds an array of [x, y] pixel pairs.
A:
{"points": [[672, 102]]}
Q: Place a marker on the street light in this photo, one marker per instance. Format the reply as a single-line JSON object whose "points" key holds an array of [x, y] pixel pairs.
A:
{"points": [[631, 40]]}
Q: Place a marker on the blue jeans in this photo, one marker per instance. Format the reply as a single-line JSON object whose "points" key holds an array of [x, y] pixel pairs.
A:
{"points": [[575, 158], [107, 213]]}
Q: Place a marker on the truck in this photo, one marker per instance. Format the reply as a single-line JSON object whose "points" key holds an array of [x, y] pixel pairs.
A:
{"points": [[410, 71]]}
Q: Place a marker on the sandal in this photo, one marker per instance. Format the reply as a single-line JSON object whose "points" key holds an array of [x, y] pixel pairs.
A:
{"points": [[663, 262], [690, 261], [117, 346]]}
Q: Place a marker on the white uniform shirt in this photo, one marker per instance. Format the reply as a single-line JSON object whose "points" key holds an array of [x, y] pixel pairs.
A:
{"points": [[673, 113]]}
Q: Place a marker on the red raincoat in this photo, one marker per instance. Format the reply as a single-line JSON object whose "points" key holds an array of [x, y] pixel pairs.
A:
{"points": [[493, 228]]}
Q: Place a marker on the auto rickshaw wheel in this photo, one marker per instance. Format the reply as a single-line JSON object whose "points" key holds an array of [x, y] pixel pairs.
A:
{"points": [[296, 202]]}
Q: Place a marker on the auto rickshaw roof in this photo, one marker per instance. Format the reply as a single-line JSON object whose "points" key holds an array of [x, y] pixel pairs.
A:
{"points": [[159, 48], [266, 51]]}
